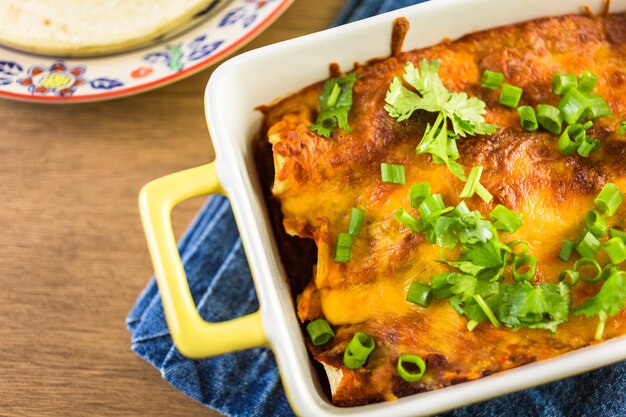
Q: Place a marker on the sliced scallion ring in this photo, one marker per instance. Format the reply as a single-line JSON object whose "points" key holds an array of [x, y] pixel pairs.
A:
{"points": [[491, 80], [505, 219], [570, 139], [420, 294], [418, 192], [431, 205], [356, 220], [570, 276], [616, 249], [510, 95], [587, 82], [320, 332], [596, 224], [528, 118], [358, 350], [415, 360], [588, 246], [563, 82], [573, 105], [392, 173], [550, 118], [588, 278], [609, 199], [524, 267], [343, 248], [409, 221]]}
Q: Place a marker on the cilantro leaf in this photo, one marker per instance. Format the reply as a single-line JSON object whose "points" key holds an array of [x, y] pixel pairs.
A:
{"points": [[468, 229], [607, 302], [621, 131], [334, 107], [463, 285], [488, 254], [464, 114], [542, 306]]}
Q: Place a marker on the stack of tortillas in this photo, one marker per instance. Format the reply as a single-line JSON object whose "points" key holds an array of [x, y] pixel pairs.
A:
{"points": [[91, 27]]}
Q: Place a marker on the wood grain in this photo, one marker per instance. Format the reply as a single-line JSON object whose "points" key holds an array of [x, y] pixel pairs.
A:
{"points": [[72, 253]]}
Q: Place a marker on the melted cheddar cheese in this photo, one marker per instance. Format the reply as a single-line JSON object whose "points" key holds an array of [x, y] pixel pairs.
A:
{"points": [[317, 181]]}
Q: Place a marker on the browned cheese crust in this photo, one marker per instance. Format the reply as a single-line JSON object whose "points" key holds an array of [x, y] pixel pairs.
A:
{"points": [[317, 181]]}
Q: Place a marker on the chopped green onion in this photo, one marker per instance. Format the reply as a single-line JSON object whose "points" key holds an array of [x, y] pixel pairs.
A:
{"points": [[525, 247], [505, 219], [621, 130], [596, 224], [550, 118], [492, 80], [343, 249], [609, 199], [356, 220], [616, 249], [320, 332], [570, 275], [351, 362], [432, 205], [563, 82], [483, 193], [608, 270], [510, 95], [420, 294], [415, 360], [588, 246], [358, 350], [588, 262], [569, 140], [527, 118], [418, 192], [617, 233], [453, 150], [471, 325], [392, 173], [598, 107], [588, 145], [587, 82], [409, 221], [461, 210], [472, 181], [524, 267], [573, 105], [334, 95], [485, 308], [566, 250]]}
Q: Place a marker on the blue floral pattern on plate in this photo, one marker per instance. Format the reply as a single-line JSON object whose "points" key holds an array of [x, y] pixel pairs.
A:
{"points": [[219, 30]]}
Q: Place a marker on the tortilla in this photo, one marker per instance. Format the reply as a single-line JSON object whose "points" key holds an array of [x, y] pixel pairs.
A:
{"points": [[91, 27]]}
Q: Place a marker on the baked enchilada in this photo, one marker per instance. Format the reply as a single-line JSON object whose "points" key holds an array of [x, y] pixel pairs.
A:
{"points": [[451, 212]]}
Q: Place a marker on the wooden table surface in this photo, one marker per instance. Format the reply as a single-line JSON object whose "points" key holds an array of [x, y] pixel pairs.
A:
{"points": [[72, 253]]}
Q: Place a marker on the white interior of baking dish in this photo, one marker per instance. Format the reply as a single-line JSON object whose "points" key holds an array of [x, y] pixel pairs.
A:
{"points": [[259, 77]]}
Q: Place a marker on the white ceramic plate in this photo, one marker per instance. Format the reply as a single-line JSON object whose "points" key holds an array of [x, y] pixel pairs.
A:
{"points": [[224, 27]]}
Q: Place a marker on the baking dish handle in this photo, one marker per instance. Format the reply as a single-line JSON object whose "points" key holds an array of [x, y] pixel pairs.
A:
{"points": [[193, 337]]}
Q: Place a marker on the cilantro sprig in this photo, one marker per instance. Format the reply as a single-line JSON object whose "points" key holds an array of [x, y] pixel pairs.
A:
{"points": [[477, 285], [457, 114], [607, 302], [335, 103]]}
